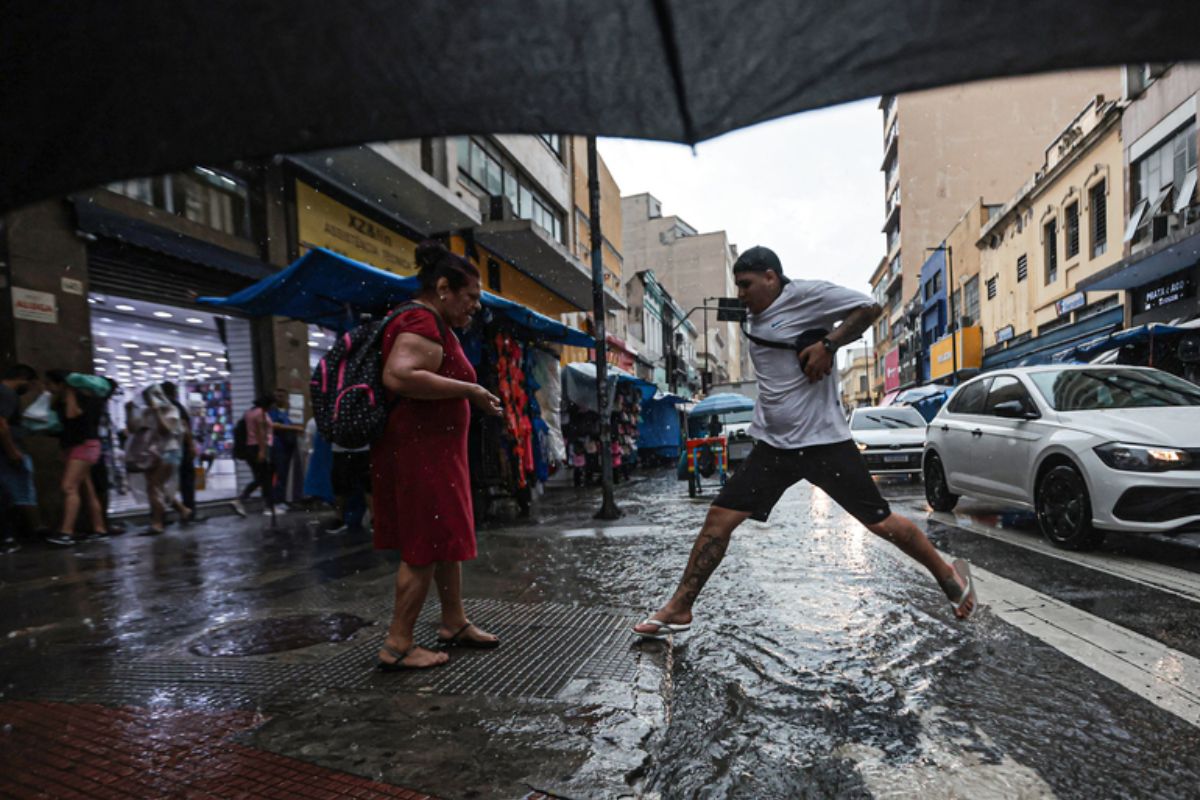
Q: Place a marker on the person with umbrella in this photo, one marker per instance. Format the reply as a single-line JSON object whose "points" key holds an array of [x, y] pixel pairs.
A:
{"points": [[801, 433]]}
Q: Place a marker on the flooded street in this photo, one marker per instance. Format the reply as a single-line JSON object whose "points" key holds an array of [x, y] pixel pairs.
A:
{"points": [[821, 663]]}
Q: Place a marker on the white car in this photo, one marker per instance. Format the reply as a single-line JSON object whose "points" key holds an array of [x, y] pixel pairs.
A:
{"points": [[891, 438], [1087, 448]]}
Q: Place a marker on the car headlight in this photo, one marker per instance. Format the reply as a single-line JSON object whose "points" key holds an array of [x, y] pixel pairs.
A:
{"points": [[861, 447], [1142, 458]]}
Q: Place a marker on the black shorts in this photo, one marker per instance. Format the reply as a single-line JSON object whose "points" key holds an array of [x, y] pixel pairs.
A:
{"points": [[837, 469], [351, 473]]}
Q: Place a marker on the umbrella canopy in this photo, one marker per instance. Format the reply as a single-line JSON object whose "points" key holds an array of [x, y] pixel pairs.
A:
{"points": [[328, 289], [723, 403], [165, 86]]}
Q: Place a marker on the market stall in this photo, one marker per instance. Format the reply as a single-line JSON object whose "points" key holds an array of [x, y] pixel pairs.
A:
{"points": [[660, 434], [581, 420], [513, 349]]}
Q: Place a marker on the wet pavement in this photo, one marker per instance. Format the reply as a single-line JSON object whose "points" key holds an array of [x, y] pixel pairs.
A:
{"points": [[820, 664]]}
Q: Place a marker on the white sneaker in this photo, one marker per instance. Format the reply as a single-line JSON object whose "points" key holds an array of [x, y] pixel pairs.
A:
{"points": [[238, 507]]}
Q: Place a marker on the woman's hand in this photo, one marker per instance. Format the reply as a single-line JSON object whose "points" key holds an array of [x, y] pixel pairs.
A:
{"points": [[485, 401]]}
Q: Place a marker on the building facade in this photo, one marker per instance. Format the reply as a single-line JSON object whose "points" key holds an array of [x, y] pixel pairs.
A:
{"points": [[1050, 237], [692, 267], [946, 148]]}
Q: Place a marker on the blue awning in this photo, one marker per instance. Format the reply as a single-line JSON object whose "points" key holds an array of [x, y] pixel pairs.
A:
{"points": [[331, 290], [1049, 344], [1112, 341], [1178, 252], [587, 371]]}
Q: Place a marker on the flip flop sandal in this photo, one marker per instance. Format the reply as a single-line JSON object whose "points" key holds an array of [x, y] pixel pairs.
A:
{"points": [[398, 665], [665, 629], [478, 644], [964, 571]]}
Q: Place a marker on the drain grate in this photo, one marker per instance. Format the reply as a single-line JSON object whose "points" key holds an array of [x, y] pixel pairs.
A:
{"points": [[546, 646]]}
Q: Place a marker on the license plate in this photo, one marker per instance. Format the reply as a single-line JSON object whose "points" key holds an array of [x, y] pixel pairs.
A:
{"points": [[895, 459]]}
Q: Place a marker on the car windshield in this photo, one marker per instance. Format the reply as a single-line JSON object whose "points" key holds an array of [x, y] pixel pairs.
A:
{"points": [[876, 419], [1098, 389]]}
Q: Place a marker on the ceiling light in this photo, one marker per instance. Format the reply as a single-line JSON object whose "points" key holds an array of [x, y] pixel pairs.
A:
{"points": [[204, 353], [314, 344], [92, 300], [148, 353], [161, 361], [130, 345], [104, 349], [318, 335], [166, 349], [163, 314], [124, 307], [141, 363], [186, 356], [99, 369], [99, 361], [124, 358], [106, 319], [195, 320]]}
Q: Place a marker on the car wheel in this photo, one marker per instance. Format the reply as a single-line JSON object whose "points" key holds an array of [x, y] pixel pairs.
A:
{"points": [[1064, 510], [937, 492]]}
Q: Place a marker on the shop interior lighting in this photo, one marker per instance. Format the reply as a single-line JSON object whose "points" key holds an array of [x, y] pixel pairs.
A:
{"points": [[99, 369], [99, 361], [106, 319], [204, 353], [148, 353], [104, 349], [314, 344], [124, 358], [187, 356], [195, 320], [141, 363], [163, 314], [130, 345], [92, 300], [161, 361], [166, 349], [124, 307]]}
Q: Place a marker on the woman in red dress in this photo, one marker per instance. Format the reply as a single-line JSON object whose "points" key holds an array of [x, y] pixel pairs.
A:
{"points": [[420, 477]]}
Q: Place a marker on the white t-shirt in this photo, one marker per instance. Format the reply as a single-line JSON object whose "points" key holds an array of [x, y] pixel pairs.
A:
{"points": [[791, 412]]}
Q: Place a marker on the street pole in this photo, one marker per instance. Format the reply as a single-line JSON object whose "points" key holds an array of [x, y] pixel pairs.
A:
{"points": [[608, 508], [707, 371], [953, 316]]}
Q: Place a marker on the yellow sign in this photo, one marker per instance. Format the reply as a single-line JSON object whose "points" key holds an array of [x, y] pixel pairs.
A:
{"points": [[969, 345], [324, 222]]}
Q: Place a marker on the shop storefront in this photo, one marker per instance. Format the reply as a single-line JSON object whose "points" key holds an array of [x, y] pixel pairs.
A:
{"points": [[208, 356]]}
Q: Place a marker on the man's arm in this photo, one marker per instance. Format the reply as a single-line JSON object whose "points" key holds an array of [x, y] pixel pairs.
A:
{"points": [[855, 324], [7, 444], [818, 361]]}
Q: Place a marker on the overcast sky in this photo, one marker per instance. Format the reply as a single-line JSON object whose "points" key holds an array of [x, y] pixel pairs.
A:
{"points": [[808, 187]]}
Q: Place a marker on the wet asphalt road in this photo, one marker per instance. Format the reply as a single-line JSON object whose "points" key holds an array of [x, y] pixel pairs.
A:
{"points": [[820, 664]]}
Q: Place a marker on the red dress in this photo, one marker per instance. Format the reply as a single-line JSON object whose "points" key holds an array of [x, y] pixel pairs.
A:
{"points": [[420, 477]]}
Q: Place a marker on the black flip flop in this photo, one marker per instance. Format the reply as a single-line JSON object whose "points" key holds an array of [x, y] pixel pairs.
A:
{"points": [[478, 644], [398, 665]]}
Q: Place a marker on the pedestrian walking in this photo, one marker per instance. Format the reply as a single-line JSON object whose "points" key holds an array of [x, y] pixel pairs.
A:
{"points": [[252, 440], [104, 469], [156, 449], [800, 432], [80, 413], [420, 478], [187, 466], [17, 492], [351, 480], [283, 448]]}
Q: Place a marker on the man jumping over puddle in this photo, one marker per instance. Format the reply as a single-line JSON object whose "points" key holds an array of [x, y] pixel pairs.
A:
{"points": [[800, 433]]}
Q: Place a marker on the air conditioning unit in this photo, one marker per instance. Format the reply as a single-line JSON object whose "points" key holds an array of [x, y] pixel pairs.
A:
{"points": [[499, 208]]}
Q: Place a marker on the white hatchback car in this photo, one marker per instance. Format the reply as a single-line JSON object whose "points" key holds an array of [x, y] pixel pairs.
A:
{"points": [[1087, 448], [891, 438]]}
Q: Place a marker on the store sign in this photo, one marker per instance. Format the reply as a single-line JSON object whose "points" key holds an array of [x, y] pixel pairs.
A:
{"points": [[1070, 303], [34, 306], [324, 222], [891, 370], [1174, 288], [967, 344], [1004, 334]]}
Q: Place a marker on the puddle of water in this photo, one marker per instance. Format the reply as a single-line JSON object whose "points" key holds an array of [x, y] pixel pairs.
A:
{"points": [[276, 635]]}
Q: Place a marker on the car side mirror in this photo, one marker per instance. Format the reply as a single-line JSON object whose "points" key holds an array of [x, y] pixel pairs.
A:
{"points": [[1014, 409]]}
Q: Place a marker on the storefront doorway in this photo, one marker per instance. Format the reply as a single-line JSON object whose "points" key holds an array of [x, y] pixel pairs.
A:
{"points": [[208, 356]]}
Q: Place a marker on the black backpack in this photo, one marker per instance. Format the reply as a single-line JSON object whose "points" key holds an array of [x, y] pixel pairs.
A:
{"points": [[241, 449], [348, 398]]}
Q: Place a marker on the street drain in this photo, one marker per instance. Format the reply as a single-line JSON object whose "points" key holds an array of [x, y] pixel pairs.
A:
{"points": [[276, 635]]}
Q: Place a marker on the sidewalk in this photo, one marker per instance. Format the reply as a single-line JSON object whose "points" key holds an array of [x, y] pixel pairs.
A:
{"points": [[231, 660]]}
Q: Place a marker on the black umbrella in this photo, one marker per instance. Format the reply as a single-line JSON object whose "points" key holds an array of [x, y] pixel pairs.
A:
{"points": [[99, 91]]}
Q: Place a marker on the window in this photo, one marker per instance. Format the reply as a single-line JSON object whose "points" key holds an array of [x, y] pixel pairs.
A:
{"points": [[1072, 230], [1051, 240], [1164, 166], [1098, 201], [971, 301], [490, 173], [991, 288], [553, 141], [1022, 267], [971, 397], [862, 384], [211, 198], [1005, 389], [885, 419], [1113, 387], [493, 276]]}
